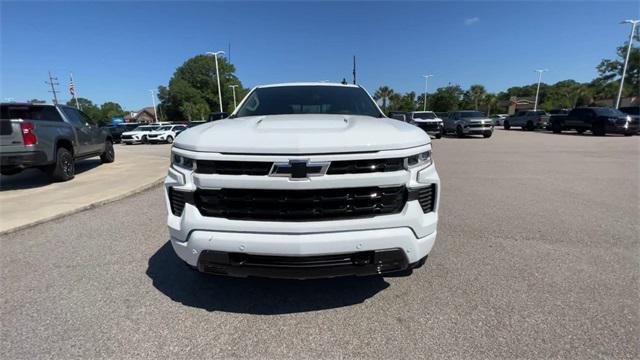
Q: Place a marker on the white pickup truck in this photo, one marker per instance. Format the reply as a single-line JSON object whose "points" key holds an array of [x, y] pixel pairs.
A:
{"points": [[303, 180]]}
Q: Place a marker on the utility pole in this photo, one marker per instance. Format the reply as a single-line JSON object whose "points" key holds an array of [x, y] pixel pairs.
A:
{"points": [[233, 88], [626, 60], [354, 69], [53, 82], [426, 86], [215, 55], [155, 110], [539, 71]]}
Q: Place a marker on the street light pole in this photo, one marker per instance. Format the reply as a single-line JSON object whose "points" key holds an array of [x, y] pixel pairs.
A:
{"points": [[155, 110], [426, 86], [626, 60], [233, 88], [215, 55], [539, 71]]}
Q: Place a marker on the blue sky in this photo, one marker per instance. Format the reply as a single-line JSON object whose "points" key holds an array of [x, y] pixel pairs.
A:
{"points": [[119, 50]]}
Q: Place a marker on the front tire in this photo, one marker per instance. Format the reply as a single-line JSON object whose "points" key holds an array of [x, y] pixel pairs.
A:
{"points": [[487, 134], [109, 155], [169, 140], [556, 128], [145, 140], [598, 130], [64, 168], [530, 126], [459, 131], [580, 131], [506, 125]]}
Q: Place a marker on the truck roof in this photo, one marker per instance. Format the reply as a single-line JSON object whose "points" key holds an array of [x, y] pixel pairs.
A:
{"points": [[307, 84]]}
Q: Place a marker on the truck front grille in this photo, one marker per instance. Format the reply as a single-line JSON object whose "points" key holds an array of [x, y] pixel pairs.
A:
{"points": [[233, 167], [300, 205], [262, 168]]}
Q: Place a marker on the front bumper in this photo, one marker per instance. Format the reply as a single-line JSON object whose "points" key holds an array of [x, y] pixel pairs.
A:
{"points": [[477, 130], [431, 128], [361, 263], [411, 231]]}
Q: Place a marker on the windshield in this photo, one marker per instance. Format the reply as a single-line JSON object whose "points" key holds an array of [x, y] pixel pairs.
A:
{"points": [[631, 110], [164, 128], [471, 114], [424, 115], [609, 112], [310, 99]]}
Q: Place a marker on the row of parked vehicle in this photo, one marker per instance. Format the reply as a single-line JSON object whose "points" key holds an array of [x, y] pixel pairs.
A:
{"points": [[598, 120], [460, 123], [162, 132]]}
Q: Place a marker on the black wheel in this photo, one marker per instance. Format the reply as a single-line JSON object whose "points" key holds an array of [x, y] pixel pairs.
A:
{"points": [[556, 128], [598, 130], [169, 140], [64, 168], [628, 134], [530, 126], [144, 139], [506, 125], [580, 131], [459, 131], [487, 134], [109, 155]]}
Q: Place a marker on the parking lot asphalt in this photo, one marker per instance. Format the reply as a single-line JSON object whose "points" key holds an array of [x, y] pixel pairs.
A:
{"points": [[537, 257], [30, 197]]}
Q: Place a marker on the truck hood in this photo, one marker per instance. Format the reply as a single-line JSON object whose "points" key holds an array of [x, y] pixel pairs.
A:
{"points": [[301, 134]]}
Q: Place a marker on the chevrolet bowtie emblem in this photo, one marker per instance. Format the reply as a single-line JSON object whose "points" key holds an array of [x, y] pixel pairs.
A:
{"points": [[299, 169]]}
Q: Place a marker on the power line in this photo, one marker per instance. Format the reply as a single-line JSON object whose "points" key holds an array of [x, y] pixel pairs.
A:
{"points": [[53, 87]]}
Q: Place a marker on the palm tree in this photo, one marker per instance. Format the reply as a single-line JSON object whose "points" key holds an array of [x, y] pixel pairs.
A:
{"points": [[492, 101], [384, 93], [477, 93]]}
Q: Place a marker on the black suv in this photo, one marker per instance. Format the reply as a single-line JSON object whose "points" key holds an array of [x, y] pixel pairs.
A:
{"points": [[117, 130], [599, 120]]}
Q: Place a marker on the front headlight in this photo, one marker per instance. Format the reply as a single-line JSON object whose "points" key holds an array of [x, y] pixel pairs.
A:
{"points": [[182, 162], [422, 159]]}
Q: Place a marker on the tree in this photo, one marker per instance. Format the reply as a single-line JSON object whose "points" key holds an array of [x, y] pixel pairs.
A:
{"points": [[491, 102], [403, 102], [110, 110], [37, 101], [446, 98], [475, 95], [610, 71], [383, 93], [194, 85]]}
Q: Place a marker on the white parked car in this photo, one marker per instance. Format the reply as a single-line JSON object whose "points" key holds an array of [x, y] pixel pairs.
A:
{"points": [[498, 119], [303, 180], [137, 135], [165, 134]]}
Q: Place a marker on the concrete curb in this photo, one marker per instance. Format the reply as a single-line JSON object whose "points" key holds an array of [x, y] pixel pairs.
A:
{"points": [[86, 207]]}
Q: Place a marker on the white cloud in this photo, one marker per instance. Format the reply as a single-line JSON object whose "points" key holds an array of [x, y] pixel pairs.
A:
{"points": [[471, 21]]}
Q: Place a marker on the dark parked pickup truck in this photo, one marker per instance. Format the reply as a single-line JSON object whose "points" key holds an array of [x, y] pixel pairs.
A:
{"points": [[598, 120], [49, 137]]}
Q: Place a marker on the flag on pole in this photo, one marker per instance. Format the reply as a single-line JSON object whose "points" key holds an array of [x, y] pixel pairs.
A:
{"points": [[72, 91]]}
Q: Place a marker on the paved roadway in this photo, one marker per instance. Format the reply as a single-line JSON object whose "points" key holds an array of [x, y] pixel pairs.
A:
{"points": [[537, 257]]}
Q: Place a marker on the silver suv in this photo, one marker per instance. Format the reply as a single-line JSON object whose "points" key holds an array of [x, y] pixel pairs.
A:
{"points": [[527, 120], [468, 122], [49, 137]]}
